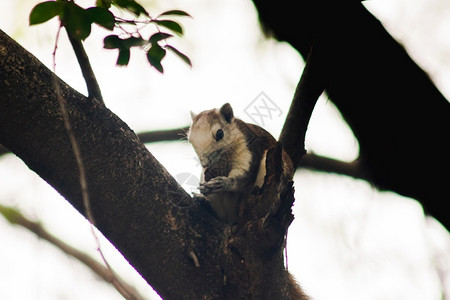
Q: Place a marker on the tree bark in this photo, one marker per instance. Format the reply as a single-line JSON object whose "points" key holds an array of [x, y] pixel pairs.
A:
{"points": [[174, 242], [310, 87], [136, 204], [399, 117]]}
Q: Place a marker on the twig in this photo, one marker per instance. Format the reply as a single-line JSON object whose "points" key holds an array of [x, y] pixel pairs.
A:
{"points": [[330, 165], [309, 161], [86, 69], [146, 137], [16, 218], [310, 87], [82, 174], [163, 135]]}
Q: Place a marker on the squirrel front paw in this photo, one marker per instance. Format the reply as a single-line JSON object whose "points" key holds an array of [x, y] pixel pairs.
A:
{"points": [[215, 185]]}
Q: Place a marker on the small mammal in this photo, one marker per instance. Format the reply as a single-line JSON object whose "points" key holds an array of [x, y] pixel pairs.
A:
{"points": [[233, 158]]}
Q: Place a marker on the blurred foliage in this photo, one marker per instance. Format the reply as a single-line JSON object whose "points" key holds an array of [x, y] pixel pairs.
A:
{"points": [[78, 21], [12, 215]]}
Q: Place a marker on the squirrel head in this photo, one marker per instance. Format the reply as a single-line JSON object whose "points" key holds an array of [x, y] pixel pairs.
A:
{"points": [[213, 133]]}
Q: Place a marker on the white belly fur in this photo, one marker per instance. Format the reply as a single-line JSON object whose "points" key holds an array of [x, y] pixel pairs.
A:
{"points": [[261, 172]]}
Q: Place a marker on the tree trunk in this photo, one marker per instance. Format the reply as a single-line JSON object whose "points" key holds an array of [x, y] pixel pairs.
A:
{"points": [[178, 247], [399, 117]]}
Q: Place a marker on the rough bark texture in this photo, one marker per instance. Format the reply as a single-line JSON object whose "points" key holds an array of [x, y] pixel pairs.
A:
{"points": [[398, 116], [172, 241], [310, 87], [136, 204], [253, 248]]}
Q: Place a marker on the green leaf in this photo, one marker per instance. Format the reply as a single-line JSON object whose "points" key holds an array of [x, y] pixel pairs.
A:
{"points": [[133, 42], [159, 36], [103, 3], [172, 25], [155, 55], [180, 55], [102, 17], [76, 21], [175, 13], [132, 6], [112, 42], [124, 57], [45, 11], [12, 215]]}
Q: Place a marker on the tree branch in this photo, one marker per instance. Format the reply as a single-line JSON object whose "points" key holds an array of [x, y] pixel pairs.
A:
{"points": [[82, 174], [163, 135], [86, 69], [309, 161], [329, 165], [145, 137], [253, 247], [16, 218], [174, 242], [137, 205], [400, 125], [310, 87]]}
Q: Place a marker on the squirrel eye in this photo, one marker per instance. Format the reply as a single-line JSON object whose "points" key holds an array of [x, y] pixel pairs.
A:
{"points": [[219, 135]]}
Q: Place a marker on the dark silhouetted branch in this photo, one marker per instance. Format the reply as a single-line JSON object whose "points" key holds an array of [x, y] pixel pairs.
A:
{"points": [[401, 125], [309, 88], [330, 165], [86, 69], [163, 135]]}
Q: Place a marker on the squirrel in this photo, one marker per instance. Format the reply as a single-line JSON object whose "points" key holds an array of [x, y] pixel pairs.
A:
{"points": [[233, 158]]}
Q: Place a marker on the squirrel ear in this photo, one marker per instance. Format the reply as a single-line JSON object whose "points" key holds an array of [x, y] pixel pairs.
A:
{"points": [[227, 112], [193, 115]]}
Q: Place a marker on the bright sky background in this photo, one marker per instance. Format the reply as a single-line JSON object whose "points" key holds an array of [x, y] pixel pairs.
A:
{"points": [[348, 240]]}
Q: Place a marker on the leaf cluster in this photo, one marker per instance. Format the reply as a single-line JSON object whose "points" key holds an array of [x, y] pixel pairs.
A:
{"points": [[78, 22]]}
